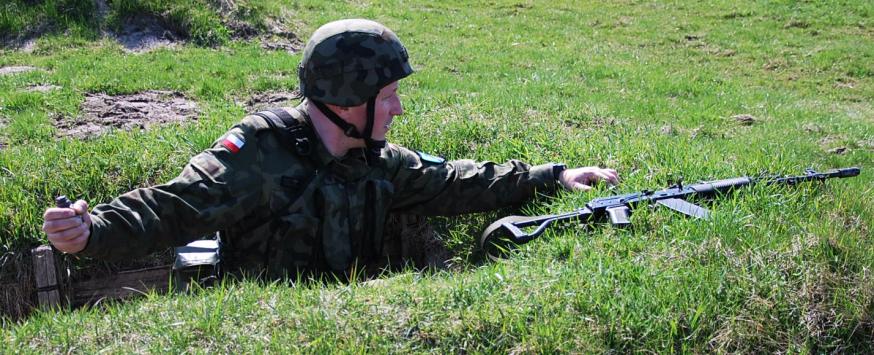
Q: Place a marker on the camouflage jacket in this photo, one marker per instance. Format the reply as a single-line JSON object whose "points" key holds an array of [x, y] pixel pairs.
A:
{"points": [[285, 211]]}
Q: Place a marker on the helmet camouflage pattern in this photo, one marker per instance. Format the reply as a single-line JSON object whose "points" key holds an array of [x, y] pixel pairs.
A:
{"points": [[347, 62]]}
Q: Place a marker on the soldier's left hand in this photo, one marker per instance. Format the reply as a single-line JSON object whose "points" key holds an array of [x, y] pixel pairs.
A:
{"points": [[583, 179]]}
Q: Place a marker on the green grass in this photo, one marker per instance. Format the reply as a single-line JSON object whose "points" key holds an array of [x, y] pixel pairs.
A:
{"points": [[25, 18], [201, 21], [647, 88]]}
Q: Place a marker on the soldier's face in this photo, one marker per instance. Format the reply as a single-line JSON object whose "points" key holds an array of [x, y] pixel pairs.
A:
{"points": [[388, 105]]}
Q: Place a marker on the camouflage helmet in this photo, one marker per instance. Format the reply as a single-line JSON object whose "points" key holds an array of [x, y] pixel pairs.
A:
{"points": [[347, 62]]}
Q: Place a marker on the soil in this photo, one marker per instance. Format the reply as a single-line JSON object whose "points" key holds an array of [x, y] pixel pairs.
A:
{"points": [[275, 37], [837, 150], [25, 41], [282, 45], [668, 130], [42, 88], [102, 113], [270, 99], [144, 33], [745, 119], [419, 242], [16, 69], [812, 128], [696, 40], [27, 45]]}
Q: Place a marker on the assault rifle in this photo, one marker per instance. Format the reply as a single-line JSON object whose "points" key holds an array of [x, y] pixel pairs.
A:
{"points": [[618, 208]]}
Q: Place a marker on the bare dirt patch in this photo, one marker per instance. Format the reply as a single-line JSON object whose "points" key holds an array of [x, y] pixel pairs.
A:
{"points": [[845, 83], [28, 45], [42, 88], [834, 144], [265, 100], [812, 128], [837, 150], [140, 33], [144, 33], [24, 41], [276, 36], [16, 69], [696, 40], [744, 119], [102, 113]]}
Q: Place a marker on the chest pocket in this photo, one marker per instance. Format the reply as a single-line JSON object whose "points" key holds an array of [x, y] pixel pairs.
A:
{"points": [[293, 244], [353, 216]]}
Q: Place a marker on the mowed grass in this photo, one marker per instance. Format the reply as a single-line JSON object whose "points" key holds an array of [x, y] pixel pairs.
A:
{"points": [[647, 88]]}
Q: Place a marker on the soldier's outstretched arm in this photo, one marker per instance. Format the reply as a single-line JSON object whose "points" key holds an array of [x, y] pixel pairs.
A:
{"points": [[429, 186], [217, 188]]}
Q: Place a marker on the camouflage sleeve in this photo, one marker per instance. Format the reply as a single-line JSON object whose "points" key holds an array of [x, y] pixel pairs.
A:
{"points": [[214, 190], [429, 186]]}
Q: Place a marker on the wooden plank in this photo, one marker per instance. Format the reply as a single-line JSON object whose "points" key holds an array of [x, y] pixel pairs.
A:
{"points": [[46, 277], [121, 285]]}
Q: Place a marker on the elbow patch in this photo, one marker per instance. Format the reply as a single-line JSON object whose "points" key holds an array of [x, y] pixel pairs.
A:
{"points": [[202, 179], [208, 165]]}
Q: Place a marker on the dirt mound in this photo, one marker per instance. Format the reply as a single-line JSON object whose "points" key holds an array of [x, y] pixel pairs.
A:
{"points": [[102, 113], [143, 33], [16, 69], [24, 41], [275, 36], [24, 44], [139, 33], [267, 100]]}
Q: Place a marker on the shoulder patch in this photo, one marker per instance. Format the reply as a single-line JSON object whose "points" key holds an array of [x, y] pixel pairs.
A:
{"points": [[430, 158], [233, 142]]}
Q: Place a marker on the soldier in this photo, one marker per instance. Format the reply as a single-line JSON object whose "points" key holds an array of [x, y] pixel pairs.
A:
{"points": [[309, 188]]}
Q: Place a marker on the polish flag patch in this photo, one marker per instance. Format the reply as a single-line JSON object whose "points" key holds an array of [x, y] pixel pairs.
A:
{"points": [[233, 143]]}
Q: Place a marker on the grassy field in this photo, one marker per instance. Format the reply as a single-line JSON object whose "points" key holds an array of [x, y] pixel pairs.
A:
{"points": [[650, 89]]}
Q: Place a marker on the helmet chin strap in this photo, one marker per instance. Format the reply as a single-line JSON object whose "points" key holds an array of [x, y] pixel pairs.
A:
{"points": [[373, 147]]}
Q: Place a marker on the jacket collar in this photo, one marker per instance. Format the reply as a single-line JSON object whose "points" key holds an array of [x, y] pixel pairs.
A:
{"points": [[351, 166]]}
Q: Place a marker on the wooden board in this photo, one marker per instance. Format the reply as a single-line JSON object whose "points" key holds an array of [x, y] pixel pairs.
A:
{"points": [[48, 287], [121, 285], [45, 274]]}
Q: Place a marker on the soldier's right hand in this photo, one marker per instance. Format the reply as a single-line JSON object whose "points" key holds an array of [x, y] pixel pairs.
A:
{"points": [[68, 229]]}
